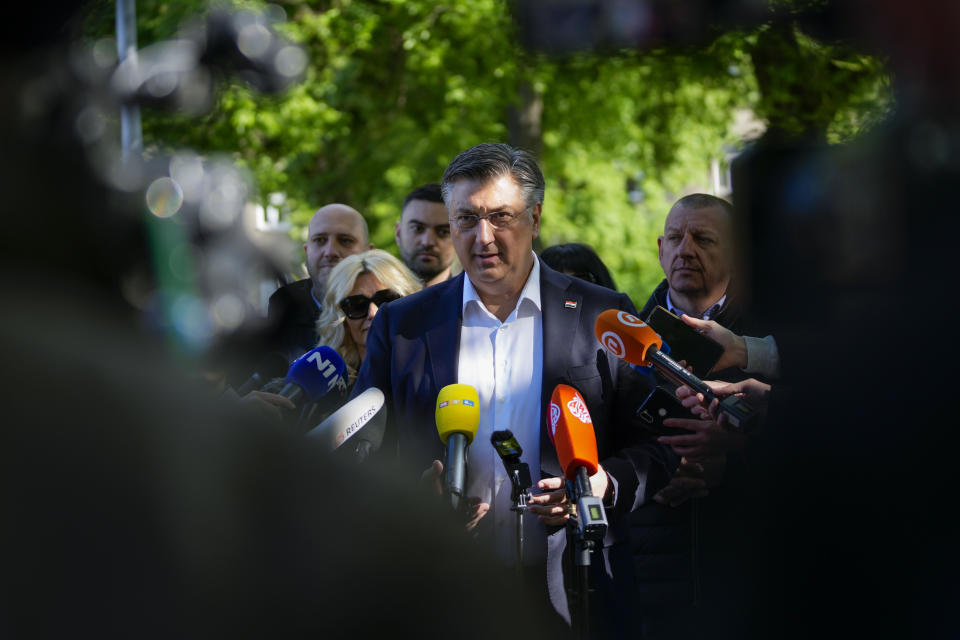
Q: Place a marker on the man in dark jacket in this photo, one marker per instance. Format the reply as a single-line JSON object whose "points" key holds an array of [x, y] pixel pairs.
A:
{"points": [[335, 232], [686, 548], [513, 329]]}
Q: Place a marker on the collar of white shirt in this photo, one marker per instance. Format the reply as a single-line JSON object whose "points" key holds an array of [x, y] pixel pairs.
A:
{"points": [[707, 315], [531, 292]]}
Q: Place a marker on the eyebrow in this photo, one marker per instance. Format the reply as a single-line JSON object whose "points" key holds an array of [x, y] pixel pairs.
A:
{"points": [[323, 234], [427, 224], [499, 208], [694, 230]]}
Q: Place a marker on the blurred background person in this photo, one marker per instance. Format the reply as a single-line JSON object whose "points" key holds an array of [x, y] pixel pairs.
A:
{"points": [[423, 235], [335, 232], [358, 286], [579, 261], [136, 503]]}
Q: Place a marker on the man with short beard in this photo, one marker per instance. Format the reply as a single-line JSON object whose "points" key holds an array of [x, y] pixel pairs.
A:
{"points": [[423, 234], [335, 232]]}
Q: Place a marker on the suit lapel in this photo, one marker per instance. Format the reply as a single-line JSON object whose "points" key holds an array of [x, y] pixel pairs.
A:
{"points": [[443, 339], [561, 318]]}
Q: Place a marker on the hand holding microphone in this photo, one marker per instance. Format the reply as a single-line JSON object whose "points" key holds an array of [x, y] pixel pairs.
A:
{"points": [[632, 340], [708, 438], [361, 421], [571, 430], [267, 405], [752, 390]]}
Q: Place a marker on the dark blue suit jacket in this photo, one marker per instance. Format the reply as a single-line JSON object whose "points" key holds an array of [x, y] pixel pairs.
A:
{"points": [[412, 352]]}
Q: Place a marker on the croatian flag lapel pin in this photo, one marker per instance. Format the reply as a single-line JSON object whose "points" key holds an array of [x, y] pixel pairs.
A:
{"points": [[570, 304]]}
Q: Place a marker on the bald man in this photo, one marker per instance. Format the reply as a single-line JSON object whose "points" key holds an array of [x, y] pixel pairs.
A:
{"points": [[335, 232], [691, 554]]}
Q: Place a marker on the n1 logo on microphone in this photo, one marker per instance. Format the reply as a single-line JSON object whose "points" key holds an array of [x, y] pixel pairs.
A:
{"points": [[325, 367], [579, 409], [322, 364]]}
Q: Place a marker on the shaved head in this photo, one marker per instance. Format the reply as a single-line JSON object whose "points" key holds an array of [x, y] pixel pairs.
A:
{"points": [[335, 232], [696, 251]]}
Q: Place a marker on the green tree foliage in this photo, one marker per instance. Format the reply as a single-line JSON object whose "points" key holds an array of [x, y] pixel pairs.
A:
{"points": [[396, 88]]}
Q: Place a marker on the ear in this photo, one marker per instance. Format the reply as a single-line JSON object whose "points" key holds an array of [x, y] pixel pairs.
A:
{"points": [[370, 246], [304, 250], [396, 233], [660, 248], [535, 215]]}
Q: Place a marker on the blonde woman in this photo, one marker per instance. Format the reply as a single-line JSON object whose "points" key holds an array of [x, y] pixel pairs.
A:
{"points": [[356, 288]]}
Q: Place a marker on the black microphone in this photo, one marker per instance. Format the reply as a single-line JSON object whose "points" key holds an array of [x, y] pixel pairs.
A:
{"points": [[509, 450]]}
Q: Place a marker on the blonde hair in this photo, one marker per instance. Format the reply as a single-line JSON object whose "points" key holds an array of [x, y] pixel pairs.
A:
{"points": [[392, 273]]}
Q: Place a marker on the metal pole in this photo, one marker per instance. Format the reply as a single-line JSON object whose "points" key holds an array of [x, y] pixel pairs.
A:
{"points": [[131, 135]]}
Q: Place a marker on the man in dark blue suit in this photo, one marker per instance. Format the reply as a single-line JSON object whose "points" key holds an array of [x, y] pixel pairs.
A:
{"points": [[513, 328]]}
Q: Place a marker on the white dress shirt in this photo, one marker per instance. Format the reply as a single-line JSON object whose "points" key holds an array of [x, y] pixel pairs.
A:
{"points": [[504, 362]]}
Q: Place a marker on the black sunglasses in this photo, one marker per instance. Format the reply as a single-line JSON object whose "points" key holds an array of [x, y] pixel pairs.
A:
{"points": [[356, 306]]}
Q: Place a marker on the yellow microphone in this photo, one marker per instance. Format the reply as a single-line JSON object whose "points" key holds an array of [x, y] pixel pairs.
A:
{"points": [[458, 417]]}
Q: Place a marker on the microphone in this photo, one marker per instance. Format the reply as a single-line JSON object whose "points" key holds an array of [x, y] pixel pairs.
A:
{"points": [[571, 431], [634, 341], [458, 418], [365, 415], [313, 374], [509, 450]]}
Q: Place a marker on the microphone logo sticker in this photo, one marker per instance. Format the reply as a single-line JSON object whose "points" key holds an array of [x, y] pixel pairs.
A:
{"points": [[630, 320], [339, 383], [579, 409], [613, 343], [554, 418]]}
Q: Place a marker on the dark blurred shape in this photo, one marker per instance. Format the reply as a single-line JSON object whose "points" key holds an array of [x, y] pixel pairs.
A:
{"points": [[852, 261], [580, 261], [561, 26], [180, 74], [134, 504]]}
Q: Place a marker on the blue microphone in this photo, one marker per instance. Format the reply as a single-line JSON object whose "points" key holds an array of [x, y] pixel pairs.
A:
{"points": [[314, 374]]}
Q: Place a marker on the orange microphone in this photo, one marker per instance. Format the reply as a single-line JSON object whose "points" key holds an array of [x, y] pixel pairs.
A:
{"points": [[626, 336], [634, 341], [571, 431]]}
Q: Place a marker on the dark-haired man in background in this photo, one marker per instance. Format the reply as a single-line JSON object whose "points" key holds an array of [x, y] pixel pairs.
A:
{"points": [[423, 234]]}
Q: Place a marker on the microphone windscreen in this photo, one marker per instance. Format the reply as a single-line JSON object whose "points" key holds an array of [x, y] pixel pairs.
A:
{"points": [[458, 411], [349, 419], [626, 336], [317, 372], [571, 431]]}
